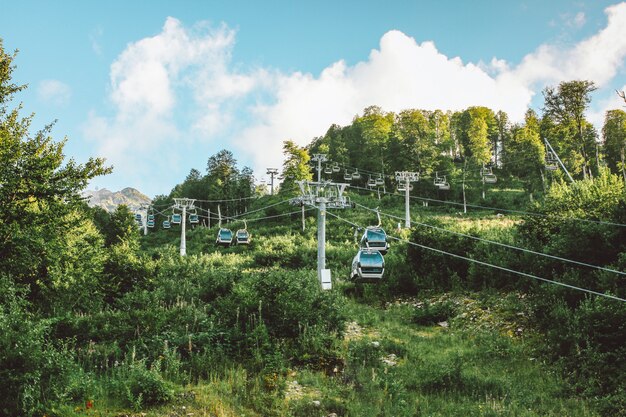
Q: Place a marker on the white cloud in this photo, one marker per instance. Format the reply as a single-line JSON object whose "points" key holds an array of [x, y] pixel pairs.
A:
{"points": [[95, 37], [189, 71], [151, 81], [579, 20], [54, 92]]}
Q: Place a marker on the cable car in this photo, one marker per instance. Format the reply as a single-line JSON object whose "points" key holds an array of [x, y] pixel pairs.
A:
{"points": [[367, 266], [193, 219], [242, 237], [375, 238], [151, 217], [380, 180], [166, 224], [356, 175], [138, 218], [371, 182], [347, 176], [176, 218], [150, 223], [224, 237]]}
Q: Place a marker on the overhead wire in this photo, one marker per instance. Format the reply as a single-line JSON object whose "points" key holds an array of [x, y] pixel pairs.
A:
{"points": [[529, 213], [501, 268], [572, 261]]}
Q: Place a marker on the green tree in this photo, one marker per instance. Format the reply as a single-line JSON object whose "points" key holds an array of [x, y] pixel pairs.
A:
{"points": [[39, 190], [614, 134], [417, 148], [295, 166], [525, 156], [566, 106]]}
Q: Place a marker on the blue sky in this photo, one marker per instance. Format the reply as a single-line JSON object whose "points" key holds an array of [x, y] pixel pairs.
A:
{"points": [[158, 87]]}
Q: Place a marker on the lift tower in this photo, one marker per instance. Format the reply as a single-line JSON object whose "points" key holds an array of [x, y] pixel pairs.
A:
{"points": [[323, 195]]}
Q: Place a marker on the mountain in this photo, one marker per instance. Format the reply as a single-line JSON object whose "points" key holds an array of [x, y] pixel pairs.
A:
{"points": [[109, 200]]}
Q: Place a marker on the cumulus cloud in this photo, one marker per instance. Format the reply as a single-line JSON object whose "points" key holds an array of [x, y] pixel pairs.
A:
{"points": [[189, 70], [54, 92], [155, 80]]}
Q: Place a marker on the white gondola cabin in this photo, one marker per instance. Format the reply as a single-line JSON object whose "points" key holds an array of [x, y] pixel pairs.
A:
{"points": [[367, 266], [375, 238], [224, 237], [242, 237]]}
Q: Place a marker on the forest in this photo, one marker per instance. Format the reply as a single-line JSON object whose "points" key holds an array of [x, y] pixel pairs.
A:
{"points": [[505, 297]]}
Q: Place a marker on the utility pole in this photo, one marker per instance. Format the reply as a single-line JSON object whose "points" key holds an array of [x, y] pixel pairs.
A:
{"points": [[323, 195], [184, 204], [407, 177], [319, 157], [271, 172]]}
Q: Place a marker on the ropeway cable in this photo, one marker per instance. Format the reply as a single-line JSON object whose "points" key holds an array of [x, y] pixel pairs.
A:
{"points": [[529, 213], [505, 245], [524, 274]]}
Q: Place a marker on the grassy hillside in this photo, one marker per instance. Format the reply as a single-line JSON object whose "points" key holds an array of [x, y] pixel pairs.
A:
{"points": [[246, 330]]}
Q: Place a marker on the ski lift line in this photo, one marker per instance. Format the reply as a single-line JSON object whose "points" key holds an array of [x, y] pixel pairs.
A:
{"points": [[529, 213], [254, 211], [501, 268], [505, 245], [227, 200]]}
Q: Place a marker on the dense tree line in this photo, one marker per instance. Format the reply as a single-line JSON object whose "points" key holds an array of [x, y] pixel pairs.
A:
{"points": [[459, 144], [223, 180]]}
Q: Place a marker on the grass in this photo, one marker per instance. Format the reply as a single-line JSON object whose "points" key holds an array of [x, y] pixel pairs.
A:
{"points": [[394, 360]]}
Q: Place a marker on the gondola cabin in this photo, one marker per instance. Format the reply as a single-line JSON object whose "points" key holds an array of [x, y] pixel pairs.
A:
{"points": [[224, 237], [367, 266], [150, 217], [176, 218], [138, 217], [243, 237], [166, 224], [375, 238], [150, 223], [193, 219]]}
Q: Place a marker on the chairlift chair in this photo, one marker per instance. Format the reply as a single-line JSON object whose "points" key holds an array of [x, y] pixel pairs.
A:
{"points": [[439, 181], [443, 184], [380, 180], [356, 175], [551, 162], [336, 168], [224, 237], [371, 182], [368, 266], [402, 186], [328, 170], [488, 175], [347, 176]]}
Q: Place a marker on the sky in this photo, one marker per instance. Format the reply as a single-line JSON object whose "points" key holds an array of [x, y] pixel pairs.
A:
{"points": [[157, 87]]}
